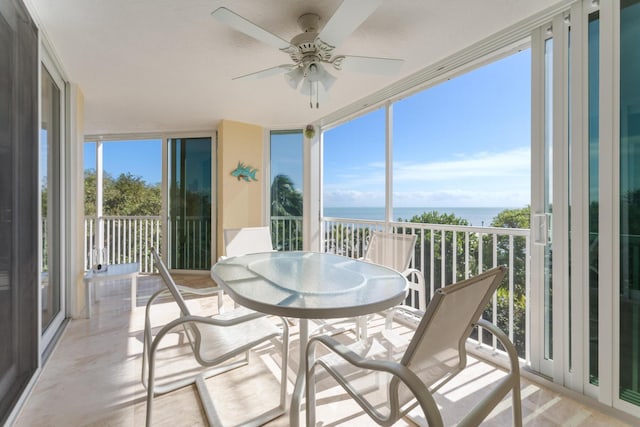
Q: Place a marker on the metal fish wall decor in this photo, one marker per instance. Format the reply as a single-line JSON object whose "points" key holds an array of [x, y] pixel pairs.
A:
{"points": [[246, 172]]}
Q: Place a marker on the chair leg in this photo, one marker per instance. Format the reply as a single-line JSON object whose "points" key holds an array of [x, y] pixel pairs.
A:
{"points": [[150, 385], [285, 364], [517, 404], [220, 302], [361, 328], [311, 394]]}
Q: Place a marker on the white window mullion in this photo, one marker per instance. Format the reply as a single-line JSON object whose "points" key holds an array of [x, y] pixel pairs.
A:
{"points": [[389, 163], [311, 200], [577, 360], [560, 274], [608, 226], [99, 179], [536, 297], [164, 216]]}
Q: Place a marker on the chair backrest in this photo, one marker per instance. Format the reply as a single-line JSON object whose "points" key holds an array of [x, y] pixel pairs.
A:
{"points": [[437, 350], [391, 249], [169, 283], [247, 240]]}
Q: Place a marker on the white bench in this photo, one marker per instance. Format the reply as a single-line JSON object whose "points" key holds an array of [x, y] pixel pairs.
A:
{"points": [[114, 272]]}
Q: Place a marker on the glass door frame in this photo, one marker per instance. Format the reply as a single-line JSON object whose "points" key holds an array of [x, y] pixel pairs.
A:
{"points": [[570, 232], [166, 161], [567, 227], [47, 336], [610, 196]]}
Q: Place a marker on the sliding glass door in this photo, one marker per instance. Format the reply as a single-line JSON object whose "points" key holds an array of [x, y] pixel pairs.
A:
{"points": [[629, 292], [51, 127], [190, 203], [587, 201], [19, 282]]}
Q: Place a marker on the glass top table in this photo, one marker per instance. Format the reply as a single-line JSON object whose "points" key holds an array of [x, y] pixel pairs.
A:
{"points": [[308, 285]]}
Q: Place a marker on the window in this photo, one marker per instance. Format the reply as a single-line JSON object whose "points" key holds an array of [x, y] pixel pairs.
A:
{"points": [[354, 168], [286, 189]]}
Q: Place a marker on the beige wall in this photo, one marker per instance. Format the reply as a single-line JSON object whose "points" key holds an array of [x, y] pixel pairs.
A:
{"points": [[240, 203], [75, 182]]}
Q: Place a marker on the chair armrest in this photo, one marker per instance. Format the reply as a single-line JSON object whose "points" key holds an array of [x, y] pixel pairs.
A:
{"points": [[404, 374], [199, 291], [514, 362], [414, 272], [510, 382]]}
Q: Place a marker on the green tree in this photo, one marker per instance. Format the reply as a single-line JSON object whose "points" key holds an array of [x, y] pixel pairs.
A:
{"points": [[432, 253], [90, 192], [127, 195], [286, 201], [435, 217], [511, 218]]}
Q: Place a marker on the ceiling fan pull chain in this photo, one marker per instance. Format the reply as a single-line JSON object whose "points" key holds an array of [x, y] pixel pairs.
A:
{"points": [[317, 96], [310, 96]]}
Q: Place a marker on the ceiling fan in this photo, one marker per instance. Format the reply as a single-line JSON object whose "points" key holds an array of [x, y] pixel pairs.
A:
{"points": [[312, 49]]}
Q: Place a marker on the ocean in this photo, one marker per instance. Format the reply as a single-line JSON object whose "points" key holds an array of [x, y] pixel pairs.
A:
{"points": [[478, 217]]}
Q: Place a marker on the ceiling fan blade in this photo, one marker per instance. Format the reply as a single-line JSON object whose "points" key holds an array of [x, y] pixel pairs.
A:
{"points": [[367, 64], [349, 15], [280, 69], [243, 25]]}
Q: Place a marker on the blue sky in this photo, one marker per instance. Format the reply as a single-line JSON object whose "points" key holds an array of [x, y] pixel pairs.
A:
{"points": [[462, 143], [286, 156], [140, 157]]}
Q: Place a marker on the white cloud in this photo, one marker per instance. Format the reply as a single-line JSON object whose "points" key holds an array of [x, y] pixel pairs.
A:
{"points": [[482, 179], [341, 197], [462, 198], [515, 162]]}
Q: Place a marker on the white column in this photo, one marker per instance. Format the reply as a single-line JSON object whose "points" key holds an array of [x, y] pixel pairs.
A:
{"points": [[389, 164], [312, 192], [99, 220]]}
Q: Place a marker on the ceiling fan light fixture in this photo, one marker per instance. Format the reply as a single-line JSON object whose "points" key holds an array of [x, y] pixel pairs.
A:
{"points": [[327, 80], [294, 77]]}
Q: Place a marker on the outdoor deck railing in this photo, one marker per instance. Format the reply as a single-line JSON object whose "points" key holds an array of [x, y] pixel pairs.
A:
{"points": [[444, 253], [448, 253], [126, 239], [286, 233], [129, 239]]}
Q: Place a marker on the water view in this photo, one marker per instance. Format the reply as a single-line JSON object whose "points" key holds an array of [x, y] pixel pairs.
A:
{"points": [[478, 217]]}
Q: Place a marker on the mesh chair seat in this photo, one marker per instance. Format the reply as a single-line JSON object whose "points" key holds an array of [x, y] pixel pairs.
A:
{"points": [[221, 342]]}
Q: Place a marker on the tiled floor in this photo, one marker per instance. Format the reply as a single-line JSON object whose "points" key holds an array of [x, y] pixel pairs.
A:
{"points": [[93, 378]]}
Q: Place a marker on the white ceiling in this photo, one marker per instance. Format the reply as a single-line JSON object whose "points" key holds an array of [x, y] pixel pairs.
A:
{"points": [[167, 65]]}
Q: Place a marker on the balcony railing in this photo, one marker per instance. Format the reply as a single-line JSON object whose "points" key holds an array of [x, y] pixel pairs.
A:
{"points": [[129, 239], [126, 239], [446, 254], [286, 233]]}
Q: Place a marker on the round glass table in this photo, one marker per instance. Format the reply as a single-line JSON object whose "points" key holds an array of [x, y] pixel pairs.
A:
{"points": [[308, 285]]}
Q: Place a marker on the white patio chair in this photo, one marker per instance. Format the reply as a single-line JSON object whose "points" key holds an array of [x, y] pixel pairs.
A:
{"points": [[243, 241], [395, 251], [247, 240], [216, 343], [389, 381]]}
